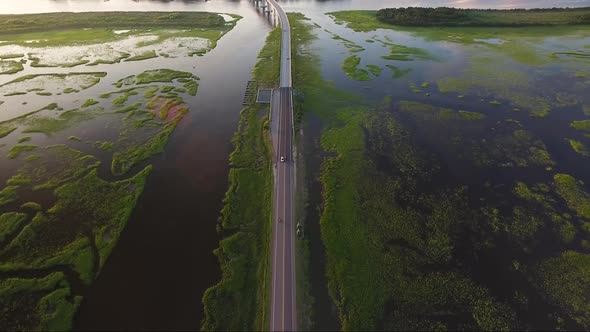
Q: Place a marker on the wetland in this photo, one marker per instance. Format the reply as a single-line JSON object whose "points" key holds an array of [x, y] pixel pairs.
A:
{"points": [[445, 169]]}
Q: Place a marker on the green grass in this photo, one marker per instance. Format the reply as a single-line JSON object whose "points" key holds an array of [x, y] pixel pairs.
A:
{"points": [[238, 300], [350, 67], [144, 56], [266, 71], [24, 139]]}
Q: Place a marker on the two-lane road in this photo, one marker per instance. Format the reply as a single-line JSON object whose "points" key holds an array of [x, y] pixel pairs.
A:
{"points": [[283, 315]]}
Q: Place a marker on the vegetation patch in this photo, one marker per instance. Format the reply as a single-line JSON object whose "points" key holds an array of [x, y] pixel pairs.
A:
{"points": [[10, 67], [405, 53], [375, 70], [44, 303], [581, 125], [579, 147], [570, 190], [350, 67], [67, 83], [144, 56], [565, 281], [240, 299], [89, 102]]}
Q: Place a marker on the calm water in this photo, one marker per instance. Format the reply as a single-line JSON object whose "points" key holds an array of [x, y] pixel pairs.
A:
{"points": [[163, 263]]}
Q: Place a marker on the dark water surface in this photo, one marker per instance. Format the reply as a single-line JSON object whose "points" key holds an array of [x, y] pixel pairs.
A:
{"points": [[163, 263]]}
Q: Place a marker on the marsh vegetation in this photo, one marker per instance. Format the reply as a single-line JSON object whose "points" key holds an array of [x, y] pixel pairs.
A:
{"points": [[78, 166], [447, 203]]}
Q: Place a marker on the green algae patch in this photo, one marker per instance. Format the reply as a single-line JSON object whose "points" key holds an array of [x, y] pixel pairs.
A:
{"points": [[349, 44], [161, 75], [67, 119], [157, 125], [375, 70], [47, 301], [481, 79], [350, 67], [581, 125], [10, 222], [8, 195], [53, 166], [24, 139], [430, 112], [10, 67], [144, 56], [188, 80], [31, 206], [406, 53], [570, 190], [106, 146], [16, 150], [471, 115], [52, 83], [11, 56], [398, 73], [565, 281], [89, 102], [132, 107], [5, 130], [57, 237], [579, 147]]}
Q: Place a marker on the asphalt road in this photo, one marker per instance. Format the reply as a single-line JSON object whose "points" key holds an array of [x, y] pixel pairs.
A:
{"points": [[283, 316]]}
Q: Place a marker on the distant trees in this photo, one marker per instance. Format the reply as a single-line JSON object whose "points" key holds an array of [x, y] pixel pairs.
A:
{"points": [[446, 16]]}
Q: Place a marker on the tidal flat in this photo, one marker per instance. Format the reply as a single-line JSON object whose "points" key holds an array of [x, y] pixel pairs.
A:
{"points": [[454, 191], [76, 144]]}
